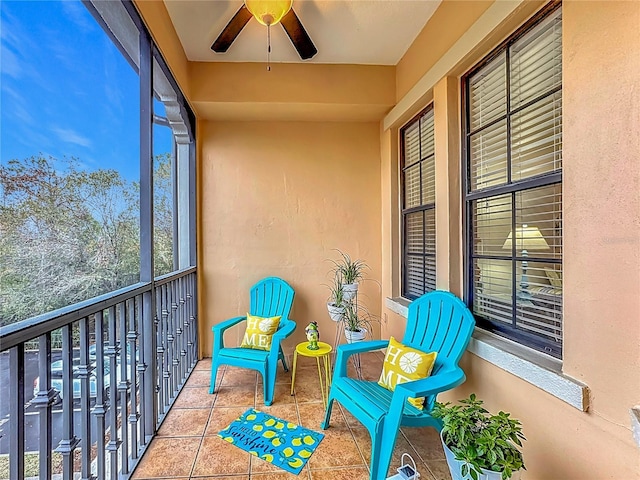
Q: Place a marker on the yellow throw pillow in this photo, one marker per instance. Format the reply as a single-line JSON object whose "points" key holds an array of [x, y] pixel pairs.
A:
{"points": [[405, 364], [259, 332]]}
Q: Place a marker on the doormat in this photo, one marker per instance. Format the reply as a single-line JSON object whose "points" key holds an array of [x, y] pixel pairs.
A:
{"points": [[282, 443]]}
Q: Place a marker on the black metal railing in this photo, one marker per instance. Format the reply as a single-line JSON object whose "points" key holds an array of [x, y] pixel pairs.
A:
{"points": [[97, 399]]}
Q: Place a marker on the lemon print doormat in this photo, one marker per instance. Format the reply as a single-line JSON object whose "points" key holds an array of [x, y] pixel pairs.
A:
{"points": [[272, 439]]}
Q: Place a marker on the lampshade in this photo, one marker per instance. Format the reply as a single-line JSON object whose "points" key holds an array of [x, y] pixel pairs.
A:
{"points": [[268, 12], [527, 238]]}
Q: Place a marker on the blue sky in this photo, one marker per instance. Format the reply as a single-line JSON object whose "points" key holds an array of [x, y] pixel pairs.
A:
{"points": [[66, 90]]}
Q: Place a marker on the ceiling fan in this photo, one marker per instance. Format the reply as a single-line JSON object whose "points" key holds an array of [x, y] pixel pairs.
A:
{"points": [[267, 12]]}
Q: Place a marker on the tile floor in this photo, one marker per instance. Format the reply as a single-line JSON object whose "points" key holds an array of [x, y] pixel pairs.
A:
{"points": [[187, 446]]}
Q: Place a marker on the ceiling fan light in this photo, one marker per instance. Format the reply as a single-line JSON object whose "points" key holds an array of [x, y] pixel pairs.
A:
{"points": [[268, 12]]}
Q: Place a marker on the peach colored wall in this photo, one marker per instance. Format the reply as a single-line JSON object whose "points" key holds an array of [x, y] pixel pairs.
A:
{"points": [[244, 168], [601, 112], [312, 92], [601, 117], [277, 198], [448, 23], [292, 83], [448, 187], [390, 214]]}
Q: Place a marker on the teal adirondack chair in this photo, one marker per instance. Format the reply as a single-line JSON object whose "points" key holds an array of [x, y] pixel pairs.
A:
{"points": [[270, 297], [437, 321]]}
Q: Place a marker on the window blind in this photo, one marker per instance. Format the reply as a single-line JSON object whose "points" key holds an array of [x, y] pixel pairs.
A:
{"points": [[534, 277], [536, 61], [419, 232], [487, 93]]}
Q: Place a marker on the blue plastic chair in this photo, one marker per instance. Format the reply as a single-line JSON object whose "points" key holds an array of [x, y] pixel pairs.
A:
{"points": [[437, 321], [269, 298]]}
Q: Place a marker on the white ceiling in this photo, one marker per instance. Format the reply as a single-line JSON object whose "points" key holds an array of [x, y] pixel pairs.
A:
{"points": [[370, 32]]}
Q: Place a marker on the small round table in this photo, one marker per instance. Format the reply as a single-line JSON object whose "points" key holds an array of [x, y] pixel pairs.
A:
{"points": [[323, 351]]}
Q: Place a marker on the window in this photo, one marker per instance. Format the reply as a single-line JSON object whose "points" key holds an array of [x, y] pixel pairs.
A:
{"points": [[513, 192], [418, 206], [72, 147]]}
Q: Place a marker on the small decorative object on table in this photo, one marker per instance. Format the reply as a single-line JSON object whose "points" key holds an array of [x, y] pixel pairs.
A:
{"points": [[313, 335]]}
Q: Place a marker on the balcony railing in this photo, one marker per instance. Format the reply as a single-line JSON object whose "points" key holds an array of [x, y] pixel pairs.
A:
{"points": [[104, 372]]}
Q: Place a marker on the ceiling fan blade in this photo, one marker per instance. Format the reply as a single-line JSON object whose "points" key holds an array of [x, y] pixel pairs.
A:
{"points": [[298, 35], [231, 31]]}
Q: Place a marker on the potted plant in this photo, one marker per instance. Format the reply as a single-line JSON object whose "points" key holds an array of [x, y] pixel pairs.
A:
{"points": [[350, 272], [356, 323], [335, 305], [478, 445]]}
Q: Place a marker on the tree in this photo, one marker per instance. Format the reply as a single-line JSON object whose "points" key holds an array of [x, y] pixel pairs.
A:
{"points": [[163, 214], [66, 235]]}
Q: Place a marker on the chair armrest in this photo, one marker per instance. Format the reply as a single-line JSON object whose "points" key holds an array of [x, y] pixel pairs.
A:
{"points": [[440, 382], [437, 383], [361, 347], [282, 333], [218, 332], [286, 330], [346, 350], [222, 326]]}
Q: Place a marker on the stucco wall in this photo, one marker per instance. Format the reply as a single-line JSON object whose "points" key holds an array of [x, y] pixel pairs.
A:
{"points": [[448, 23], [601, 151], [224, 91], [277, 198], [601, 223]]}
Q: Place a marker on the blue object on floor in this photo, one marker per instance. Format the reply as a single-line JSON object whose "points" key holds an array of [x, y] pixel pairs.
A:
{"points": [[437, 321], [270, 297], [280, 442]]}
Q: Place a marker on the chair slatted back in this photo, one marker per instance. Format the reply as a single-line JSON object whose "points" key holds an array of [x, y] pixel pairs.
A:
{"points": [[439, 321], [271, 297]]}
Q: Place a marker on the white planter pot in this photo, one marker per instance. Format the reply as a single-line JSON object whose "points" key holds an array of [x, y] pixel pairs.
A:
{"points": [[455, 467], [355, 336], [336, 313], [349, 291]]}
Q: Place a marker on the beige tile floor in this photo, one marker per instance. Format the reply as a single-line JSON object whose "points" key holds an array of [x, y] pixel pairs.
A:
{"points": [[187, 446]]}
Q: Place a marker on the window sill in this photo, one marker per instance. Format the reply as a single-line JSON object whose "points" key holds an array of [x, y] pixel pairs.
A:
{"points": [[536, 368], [398, 305]]}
